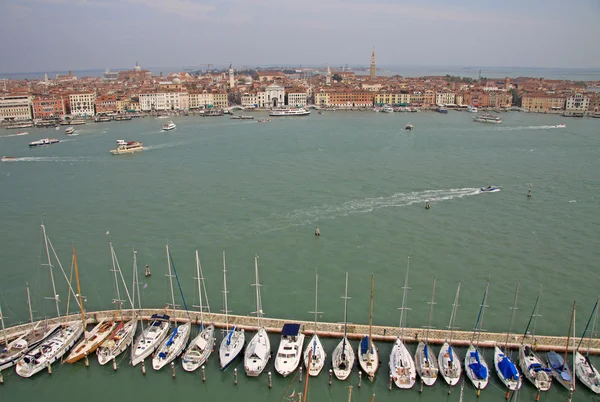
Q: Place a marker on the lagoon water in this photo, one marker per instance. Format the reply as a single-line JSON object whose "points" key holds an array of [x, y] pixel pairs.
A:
{"points": [[253, 188]]}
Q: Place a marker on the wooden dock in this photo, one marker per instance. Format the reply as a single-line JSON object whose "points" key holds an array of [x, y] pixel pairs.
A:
{"points": [[332, 330]]}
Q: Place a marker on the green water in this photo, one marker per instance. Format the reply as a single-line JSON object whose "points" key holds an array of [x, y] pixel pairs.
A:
{"points": [[251, 188]]}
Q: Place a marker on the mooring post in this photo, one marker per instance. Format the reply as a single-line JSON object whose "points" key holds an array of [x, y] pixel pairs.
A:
{"points": [[86, 360], [330, 376], [1, 378], [359, 378], [203, 373], [391, 380], [421, 388], [300, 376], [173, 369], [270, 379], [235, 376], [114, 364], [143, 367], [49, 368]]}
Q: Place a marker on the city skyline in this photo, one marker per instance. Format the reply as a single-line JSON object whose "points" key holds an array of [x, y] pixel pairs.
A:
{"points": [[54, 35]]}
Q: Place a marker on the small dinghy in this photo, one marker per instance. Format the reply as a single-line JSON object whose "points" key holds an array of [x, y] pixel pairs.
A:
{"points": [[490, 189]]}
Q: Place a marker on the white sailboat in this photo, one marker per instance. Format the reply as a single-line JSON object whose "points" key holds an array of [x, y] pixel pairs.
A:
{"points": [[532, 366], [585, 370], [314, 354], [59, 343], [475, 365], [559, 365], [234, 338], [343, 357], [11, 352], [201, 347], [258, 351], [177, 340], [505, 367], [289, 352], [368, 357], [425, 360], [450, 367], [402, 366], [123, 334]]}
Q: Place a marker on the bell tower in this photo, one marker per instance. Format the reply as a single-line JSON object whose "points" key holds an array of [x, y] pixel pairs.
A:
{"points": [[372, 68]]}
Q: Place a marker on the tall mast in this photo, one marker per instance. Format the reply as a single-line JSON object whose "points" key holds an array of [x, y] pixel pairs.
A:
{"points": [[453, 315], [512, 316], [29, 302], [345, 313], [537, 311], [3, 328], [54, 295], [431, 303], [593, 328], [79, 289], [199, 291], [170, 275], [114, 270], [136, 288], [403, 308], [204, 287], [371, 315], [259, 312], [574, 350], [482, 312], [226, 311], [533, 314], [316, 301], [569, 332]]}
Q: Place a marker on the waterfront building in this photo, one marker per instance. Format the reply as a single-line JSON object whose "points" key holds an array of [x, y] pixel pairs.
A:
{"points": [[253, 99], [476, 98], [392, 98], [499, 99], [82, 103], [372, 68], [416, 99], [322, 98], [220, 99], [15, 107], [106, 104], [543, 103], [577, 103], [429, 98], [49, 106], [150, 101], [459, 99], [594, 106], [274, 95], [349, 99], [201, 100], [445, 98], [297, 97]]}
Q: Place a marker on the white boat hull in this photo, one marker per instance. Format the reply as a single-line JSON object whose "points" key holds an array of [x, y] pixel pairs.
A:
{"points": [[117, 343], [17, 348], [402, 366], [49, 351], [229, 351], [258, 353], [172, 346], [587, 373], [343, 359], [510, 383], [317, 360], [479, 382], [369, 362], [541, 379], [199, 350], [449, 365], [426, 366], [148, 341], [287, 360]]}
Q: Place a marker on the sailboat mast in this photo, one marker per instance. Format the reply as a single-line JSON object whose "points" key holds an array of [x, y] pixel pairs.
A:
{"points": [[203, 287], [114, 270], [593, 328], [259, 311], [199, 290], [79, 296], [537, 311], [431, 303], [29, 302], [136, 288], [170, 280], [345, 311], [54, 295], [225, 293], [483, 306], [316, 299], [512, 315], [403, 308], [453, 315], [569, 332], [574, 350], [371, 315], [3, 328]]}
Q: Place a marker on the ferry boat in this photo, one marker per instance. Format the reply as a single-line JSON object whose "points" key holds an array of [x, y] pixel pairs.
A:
{"points": [[77, 122], [127, 147], [487, 118], [387, 109], [20, 125], [70, 130], [168, 126], [102, 119], [43, 141], [441, 109], [471, 109], [289, 112], [290, 349]]}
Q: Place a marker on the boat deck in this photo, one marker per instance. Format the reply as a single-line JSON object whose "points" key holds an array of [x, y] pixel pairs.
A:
{"points": [[330, 330]]}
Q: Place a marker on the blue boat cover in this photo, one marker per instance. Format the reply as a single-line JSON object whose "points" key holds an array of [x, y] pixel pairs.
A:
{"points": [[508, 369], [451, 353], [426, 352], [160, 317], [558, 363], [229, 335], [364, 345], [479, 370], [170, 341], [290, 329]]}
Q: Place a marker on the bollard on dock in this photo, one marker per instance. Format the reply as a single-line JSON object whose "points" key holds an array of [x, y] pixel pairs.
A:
{"points": [[300, 376], [330, 376], [235, 376], [86, 361], [173, 369], [270, 379], [359, 378], [203, 373], [143, 367], [49, 368], [1, 378], [391, 381], [421, 388], [114, 364]]}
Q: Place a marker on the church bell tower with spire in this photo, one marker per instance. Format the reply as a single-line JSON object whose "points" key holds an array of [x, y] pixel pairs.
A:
{"points": [[372, 68]]}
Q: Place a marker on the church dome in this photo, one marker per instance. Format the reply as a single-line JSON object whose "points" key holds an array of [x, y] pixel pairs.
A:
{"points": [[176, 81], [248, 79]]}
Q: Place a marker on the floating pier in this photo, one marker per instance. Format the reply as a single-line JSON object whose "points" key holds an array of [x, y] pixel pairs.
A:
{"points": [[327, 330]]}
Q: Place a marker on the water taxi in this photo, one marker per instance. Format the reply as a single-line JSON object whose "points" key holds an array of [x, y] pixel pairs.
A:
{"points": [[487, 118], [289, 112], [69, 130], [127, 147], [168, 126], [43, 141], [8, 159]]}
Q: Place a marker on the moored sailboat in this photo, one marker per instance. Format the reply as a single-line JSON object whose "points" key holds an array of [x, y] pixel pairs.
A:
{"points": [[176, 340], [314, 354], [475, 364], [258, 351], [368, 357], [402, 365], [559, 365], [585, 370], [343, 357], [505, 367], [450, 367], [234, 338], [201, 347], [425, 360]]}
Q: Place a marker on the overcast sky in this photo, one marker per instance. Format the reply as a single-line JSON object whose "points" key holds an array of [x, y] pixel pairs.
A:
{"points": [[48, 35]]}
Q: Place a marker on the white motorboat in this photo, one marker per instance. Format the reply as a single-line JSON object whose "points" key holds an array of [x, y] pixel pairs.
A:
{"points": [[368, 356], [387, 109], [127, 147], [584, 369], [177, 340], [450, 367], [43, 141], [506, 369], [69, 130], [475, 365], [150, 338], [201, 347], [343, 356], [169, 126], [314, 354], [234, 338], [425, 360], [289, 112], [471, 109], [258, 351], [487, 118], [402, 365], [290, 349]]}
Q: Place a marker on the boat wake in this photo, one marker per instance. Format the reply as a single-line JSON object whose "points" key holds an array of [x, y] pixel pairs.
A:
{"points": [[517, 128], [167, 145], [46, 159]]}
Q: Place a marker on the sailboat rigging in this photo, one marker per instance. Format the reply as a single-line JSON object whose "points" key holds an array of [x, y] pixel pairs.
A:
{"points": [[234, 338], [585, 370], [368, 357], [425, 360], [475, 364], [258, 352], [448, 359], [505, 367], [343, 355], [314, 355], [559, 365]]}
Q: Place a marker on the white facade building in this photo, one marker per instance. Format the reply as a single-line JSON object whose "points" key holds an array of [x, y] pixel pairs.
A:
{"points": [[577, 103], [164, 101], [82, 104], [201, 100], [15, 107], [297, 99], [256, 99], [445, 98], [274, 96]]}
